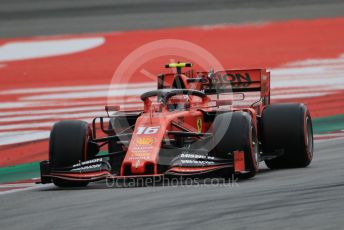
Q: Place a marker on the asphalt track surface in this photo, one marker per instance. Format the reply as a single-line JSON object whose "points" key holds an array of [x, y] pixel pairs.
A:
{"points": [[310, 198], [50, 17]]}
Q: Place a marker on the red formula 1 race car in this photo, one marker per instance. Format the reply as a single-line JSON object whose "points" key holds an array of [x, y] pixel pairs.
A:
{"points": [[193, 124]]}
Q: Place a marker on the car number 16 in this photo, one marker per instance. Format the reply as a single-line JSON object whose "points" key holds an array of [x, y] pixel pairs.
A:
{"points": [[147, 130]]}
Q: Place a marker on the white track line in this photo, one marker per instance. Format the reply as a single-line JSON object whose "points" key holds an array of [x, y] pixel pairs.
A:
{"points": [[35, 187], [54, 111], [16, 137], [16, 185], [77, 88], [89, 94], [21, 50]]}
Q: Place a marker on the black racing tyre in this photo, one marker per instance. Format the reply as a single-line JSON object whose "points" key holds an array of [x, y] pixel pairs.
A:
{"points": [[287, 128], [67, 146], [235, 131]]}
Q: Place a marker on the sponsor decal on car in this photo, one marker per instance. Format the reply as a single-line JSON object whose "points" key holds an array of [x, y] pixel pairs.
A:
{"points": [[199, 124], [197, 162], [185, 154], [145, 140], [140, 154], [97, 160], [96, 166], [142, 148], [139, 158], [137, 163], [225, 79]]}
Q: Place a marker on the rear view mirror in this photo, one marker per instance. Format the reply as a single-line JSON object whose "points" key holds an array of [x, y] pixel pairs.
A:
{"points": [[223, 102], [109, 108], [238, 96]]}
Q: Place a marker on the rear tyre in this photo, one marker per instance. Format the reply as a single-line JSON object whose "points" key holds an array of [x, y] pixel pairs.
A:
{"points": [[67, 146], [287, 128], [235, 131]]}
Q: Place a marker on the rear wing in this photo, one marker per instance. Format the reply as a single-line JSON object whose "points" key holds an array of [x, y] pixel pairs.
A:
{"points": [[252, 80], [227, 81]]}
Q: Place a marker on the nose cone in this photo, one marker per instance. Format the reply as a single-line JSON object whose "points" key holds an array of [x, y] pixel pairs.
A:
{"points": [[143, 151]]}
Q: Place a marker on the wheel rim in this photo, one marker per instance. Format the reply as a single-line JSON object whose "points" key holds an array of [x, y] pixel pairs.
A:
{"points": [[309, 138], [255, 147]]}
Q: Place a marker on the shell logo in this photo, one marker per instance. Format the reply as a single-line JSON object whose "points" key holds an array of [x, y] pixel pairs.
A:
{"points": [[145, 140]]}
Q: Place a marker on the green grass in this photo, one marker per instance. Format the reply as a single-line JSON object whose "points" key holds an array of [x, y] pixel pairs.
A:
{"points": [[328, 124], [23, 171], [19, 172]]}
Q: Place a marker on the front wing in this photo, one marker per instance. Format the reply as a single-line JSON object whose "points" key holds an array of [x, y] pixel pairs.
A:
{"points": [[183, 165]]}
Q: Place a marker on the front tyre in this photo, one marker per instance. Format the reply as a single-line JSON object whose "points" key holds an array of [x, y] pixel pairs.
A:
{"points": [[67, 146], [235, 131]]}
